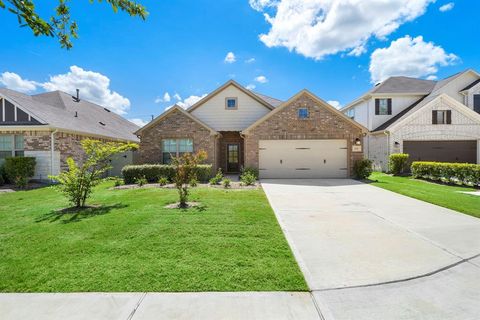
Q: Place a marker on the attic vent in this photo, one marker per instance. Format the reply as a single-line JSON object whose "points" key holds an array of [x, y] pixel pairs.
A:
{"points": [[377, 84], [101, 123], [106, 110]]}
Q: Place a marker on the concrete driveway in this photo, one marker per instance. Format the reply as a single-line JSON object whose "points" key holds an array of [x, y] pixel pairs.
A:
{"points": [[368, 253]]}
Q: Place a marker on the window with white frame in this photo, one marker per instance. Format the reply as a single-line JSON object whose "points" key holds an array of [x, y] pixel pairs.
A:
{"points": [[11, 146], [231, 103], [175, 148]]}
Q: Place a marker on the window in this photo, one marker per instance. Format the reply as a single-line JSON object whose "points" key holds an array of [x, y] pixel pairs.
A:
{"points": [[231, 103], [351, 113], [175, 148], [11, 146], [441, 117], [476, 103], [303, 113], [383, 107]]}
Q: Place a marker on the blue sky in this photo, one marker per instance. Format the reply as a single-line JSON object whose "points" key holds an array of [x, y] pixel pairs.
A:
{"points": [[182, 47]]}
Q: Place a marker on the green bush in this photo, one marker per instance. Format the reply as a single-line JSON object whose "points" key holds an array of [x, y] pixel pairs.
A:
{"points": [[397, 163], [249, 170], [248, 179], [141, 181], [226, 183], [153, 172], [19, 170], [2, 176], [363, 168], [193, 182], [458, 173], [163, 181], [217, 178]]}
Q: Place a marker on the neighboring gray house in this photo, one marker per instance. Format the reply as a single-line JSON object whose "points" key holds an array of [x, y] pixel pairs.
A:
{"points": [[430, 120], [50, 127]]}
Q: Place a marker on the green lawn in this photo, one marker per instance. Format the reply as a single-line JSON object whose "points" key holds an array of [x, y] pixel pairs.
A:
{"points": [[131, 243], [443, 195]]}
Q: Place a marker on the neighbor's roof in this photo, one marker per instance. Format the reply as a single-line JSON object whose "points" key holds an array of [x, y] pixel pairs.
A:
{"points": [[272, 101], [405, 85], [57, 109]]}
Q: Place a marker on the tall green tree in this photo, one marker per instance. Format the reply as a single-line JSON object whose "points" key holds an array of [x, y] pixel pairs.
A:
{"points": [[61, 24]]}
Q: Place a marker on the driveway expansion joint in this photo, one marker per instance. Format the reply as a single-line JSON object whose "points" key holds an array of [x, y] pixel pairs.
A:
{"points": [[425, 275], [131, 315]]}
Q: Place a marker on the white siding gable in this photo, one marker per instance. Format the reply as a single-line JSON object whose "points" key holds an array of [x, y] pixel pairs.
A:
{"points": [[399, 103], [214, 114]]}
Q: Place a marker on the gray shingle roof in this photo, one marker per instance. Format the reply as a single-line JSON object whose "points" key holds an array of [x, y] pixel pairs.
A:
{"points": [[405, 85], [471, 85], [58, 110], [272, 101]]}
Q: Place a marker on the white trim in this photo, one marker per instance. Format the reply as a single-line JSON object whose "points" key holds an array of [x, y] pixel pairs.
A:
{"points": [[451, 102]]}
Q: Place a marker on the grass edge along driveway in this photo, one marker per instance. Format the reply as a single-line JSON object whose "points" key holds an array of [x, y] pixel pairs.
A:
{"points": [[447, 196], [131, 243]]}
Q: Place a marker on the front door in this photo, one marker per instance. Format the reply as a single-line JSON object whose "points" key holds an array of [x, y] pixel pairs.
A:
{"points": [[233, 156]]}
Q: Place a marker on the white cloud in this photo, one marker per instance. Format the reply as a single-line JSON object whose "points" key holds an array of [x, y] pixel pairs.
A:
{"points": [[447, 7], [408, 56], [177, 96], [94, 87], [230, 58], [317, 28], [334, 103], [251, 86], [166, 98], [138, 122], [188, 102], [251, 60], [260, 5], [261, 79], [15, 82]]}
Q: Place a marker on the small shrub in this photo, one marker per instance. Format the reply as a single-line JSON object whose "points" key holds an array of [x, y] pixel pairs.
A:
{"points": [[117, 181], [141, 181], [458, 173], [397, 163], [186, 168], [249, 170], [193, 182], [217, 178], [363, 168], [248, 179], [153, 172], [163, 181], [19, 170], [226, 183]]}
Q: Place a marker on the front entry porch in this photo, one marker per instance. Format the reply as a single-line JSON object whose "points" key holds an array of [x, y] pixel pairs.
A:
{"points": [[230, 152]]}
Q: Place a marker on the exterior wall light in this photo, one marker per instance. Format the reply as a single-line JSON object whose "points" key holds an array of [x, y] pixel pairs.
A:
{"points": [[358, 142]]}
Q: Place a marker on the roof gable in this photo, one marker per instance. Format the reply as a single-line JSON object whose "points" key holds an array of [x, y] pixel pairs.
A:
{"points": [[314, 98], [224, 86], [167, 113]]}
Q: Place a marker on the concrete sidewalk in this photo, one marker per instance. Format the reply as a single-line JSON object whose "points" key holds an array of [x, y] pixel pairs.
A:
{"points": [[148, 306]]}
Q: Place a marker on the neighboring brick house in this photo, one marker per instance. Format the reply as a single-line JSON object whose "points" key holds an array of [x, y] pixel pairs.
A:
{"points": [[429, 120], [303, 137], [50, 127]]}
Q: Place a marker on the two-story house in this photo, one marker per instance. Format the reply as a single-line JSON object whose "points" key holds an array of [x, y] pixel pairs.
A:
{"points": [[429, 120], [303, 137]]}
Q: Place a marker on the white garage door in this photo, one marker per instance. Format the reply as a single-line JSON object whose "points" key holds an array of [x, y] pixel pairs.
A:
{"points": [[303, 158]]}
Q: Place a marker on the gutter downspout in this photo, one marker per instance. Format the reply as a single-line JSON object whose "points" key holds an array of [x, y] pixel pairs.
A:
{"points": [[52, 150], [387, 133]]}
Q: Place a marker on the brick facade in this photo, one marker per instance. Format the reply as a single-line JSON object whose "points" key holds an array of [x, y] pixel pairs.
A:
{"points": [[285, 125], [175, 125]]}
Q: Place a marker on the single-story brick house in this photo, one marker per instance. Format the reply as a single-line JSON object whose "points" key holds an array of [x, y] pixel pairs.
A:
{"points": [[50, 126], [303, 137]]}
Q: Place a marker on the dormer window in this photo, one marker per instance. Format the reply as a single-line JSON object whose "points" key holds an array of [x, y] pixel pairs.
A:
{"points": [[383, 107], [302, 113], [231, 103]]}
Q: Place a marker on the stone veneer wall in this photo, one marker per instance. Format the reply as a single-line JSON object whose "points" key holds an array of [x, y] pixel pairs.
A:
{"points": [[285, 125], [175, 125]]}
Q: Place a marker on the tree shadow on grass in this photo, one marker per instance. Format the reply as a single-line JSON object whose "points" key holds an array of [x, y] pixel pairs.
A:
{"points": [[72, 214]]}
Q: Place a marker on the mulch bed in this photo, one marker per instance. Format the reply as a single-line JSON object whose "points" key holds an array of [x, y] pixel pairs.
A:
{"points": [[233, 186]]}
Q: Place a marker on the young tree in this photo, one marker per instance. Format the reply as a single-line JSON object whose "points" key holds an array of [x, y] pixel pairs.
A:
{"points": [[185, 171], [61, 24], [77, 182]]}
